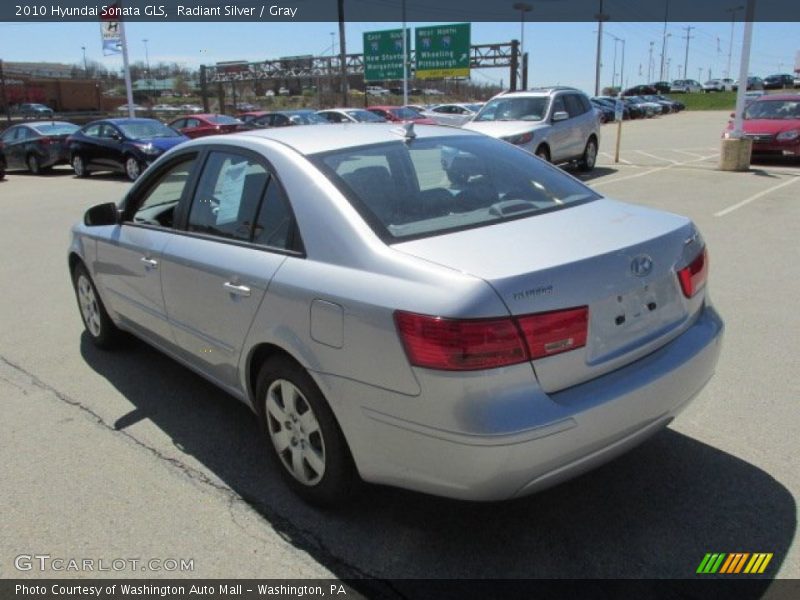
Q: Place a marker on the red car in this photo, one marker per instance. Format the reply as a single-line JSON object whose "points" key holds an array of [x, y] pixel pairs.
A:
{"points": [[773, 123], [195, 126], [400, 114]]}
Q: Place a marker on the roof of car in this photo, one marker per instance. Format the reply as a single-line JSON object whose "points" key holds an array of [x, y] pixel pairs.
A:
{"points": [[47, 122], [128, 120], [311, 139], [781, 97]]}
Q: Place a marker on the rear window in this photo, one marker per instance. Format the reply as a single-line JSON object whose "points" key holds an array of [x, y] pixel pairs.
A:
{"points": [[56, 129], [223, 120], [432, 186]]}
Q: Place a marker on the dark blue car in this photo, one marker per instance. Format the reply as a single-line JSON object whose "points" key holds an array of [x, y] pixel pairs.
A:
{"points": [[123, 145]]}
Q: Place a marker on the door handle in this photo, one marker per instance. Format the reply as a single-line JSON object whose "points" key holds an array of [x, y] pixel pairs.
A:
{"points": [[237, 290], [149, 263]]}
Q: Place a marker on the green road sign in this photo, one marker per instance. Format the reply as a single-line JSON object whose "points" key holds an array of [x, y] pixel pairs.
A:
{"points": [[443, 51], [383, 54]]}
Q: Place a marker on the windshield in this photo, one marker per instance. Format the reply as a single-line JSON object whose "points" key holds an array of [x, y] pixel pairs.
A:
{"points": [[514, 109], [57, 128], [364, 116], [404, 113], [146, 129], [223, 120], [773, 109], [431, 186], [473, 107], [306, 118]]}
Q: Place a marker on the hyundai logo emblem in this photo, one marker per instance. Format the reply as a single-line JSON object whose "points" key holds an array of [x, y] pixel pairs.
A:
{"points": [[641, 265]]}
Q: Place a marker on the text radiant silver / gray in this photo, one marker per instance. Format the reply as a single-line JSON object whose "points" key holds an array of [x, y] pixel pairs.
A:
{"points": [[432, 308]]}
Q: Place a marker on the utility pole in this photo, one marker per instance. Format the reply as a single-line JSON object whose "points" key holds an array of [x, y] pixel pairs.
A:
{"points": [[405, 57], [522, 7], [600, 18], [3, 93], [664, 40], [650, 64], [85, 67], [147, 62], [342, 53], [622, 67], [733, 12], [688, 36], [614, 67]]}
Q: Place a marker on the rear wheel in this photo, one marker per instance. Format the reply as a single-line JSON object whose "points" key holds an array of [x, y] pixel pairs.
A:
{"points": [[34, 164], [589, 157], [99, 326], [79, 166], [305, 438], [133, 168]]}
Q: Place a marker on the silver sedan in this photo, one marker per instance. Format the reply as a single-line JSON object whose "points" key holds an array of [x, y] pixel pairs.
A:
{"points": [[424, 307]]}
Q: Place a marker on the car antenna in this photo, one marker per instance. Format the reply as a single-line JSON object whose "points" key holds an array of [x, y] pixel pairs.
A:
{"points": [[406, 130]]}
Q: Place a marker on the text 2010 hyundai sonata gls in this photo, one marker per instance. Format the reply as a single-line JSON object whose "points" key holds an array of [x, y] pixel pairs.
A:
{"points": [[429, 308]]}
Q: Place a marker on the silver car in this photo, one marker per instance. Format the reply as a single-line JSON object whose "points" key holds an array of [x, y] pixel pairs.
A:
{"points": [[478, 328], [557, 124], [453, 114]]}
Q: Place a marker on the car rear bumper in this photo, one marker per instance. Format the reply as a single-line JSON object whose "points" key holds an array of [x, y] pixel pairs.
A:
{"points": [[489, 442]]}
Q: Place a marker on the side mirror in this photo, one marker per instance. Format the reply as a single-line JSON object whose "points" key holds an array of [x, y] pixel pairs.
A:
{"points": [[101, 214], [560, 116]]}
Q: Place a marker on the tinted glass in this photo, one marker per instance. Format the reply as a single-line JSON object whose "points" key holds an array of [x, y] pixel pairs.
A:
{"points": [[514, 109], [274, 226], [92, 130], [365, 116], [9, 134], [227, 196], [306, 118], [773, 109], [158, 205], [574, 105], [137, 130], [223, 120], [431, 186], [405, 113]]}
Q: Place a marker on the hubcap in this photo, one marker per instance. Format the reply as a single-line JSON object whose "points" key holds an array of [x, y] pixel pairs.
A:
{"points": [[132, 166], [295, 432], [89, 309]]}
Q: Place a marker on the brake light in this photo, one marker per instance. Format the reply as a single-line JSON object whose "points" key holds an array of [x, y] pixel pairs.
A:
{"points": [[476, 344], [555, 332], [693, 277], [460, 345]]}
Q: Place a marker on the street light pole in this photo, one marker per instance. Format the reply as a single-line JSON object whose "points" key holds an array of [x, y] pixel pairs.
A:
{"points": [[522, 7], [733, 10], [147, 62], [85, 67], [600, 18]]}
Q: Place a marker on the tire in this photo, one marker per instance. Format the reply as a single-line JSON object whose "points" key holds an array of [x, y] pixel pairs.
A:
{"points": [[133, 168], [544, 153], [34, 164], [99, 326], [589, 158], [79, 166], [302, 434]]}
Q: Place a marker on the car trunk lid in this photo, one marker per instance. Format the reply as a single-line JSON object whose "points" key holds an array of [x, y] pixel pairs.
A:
{"points": [[619, 260]]}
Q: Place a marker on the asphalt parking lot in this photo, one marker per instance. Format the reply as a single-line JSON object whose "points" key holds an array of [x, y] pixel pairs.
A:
{"points": [[128, 454]]}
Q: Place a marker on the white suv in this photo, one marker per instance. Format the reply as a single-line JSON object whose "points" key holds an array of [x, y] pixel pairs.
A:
{"points": [[556, 124]]}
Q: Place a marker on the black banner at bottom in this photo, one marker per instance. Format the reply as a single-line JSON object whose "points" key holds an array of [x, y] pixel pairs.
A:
{"points": [[712, 588]]}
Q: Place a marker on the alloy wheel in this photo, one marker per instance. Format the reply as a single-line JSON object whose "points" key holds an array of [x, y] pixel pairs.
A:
{"points": [[89, 307]]}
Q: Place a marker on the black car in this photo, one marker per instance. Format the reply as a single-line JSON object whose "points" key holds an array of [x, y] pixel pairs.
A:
{"points": [[677, 106], [640, 90], [124, 145], [30, 110], [610, 104], [779, 82], [661, 87], [37, 146], [285, 118]]}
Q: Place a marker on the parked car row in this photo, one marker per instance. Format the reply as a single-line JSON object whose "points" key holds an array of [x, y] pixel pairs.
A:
{"points": [[636, 107]]}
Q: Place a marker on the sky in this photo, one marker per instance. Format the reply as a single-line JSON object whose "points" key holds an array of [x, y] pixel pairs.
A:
{"points": [[559, 53]]}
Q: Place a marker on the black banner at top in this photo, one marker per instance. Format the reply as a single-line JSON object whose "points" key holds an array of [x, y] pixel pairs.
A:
{"points": [[391, 10]]}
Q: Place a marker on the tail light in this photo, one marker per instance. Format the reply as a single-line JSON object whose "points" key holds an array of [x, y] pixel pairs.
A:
{"points": [[693, 277], [476, 344], [555, 332]]}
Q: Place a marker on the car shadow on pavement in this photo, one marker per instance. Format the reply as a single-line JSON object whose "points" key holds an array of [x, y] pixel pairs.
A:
{"points": [[593, 174], [652, 513]]}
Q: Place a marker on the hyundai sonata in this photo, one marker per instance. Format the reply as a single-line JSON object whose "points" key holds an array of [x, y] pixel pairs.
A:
{"points": [[419, 306]]}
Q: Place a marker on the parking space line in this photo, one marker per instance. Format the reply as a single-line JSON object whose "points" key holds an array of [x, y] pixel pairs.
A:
{"points": [[622, 160], [687, 153], [755, 197], [655, 170], [674, 162]]}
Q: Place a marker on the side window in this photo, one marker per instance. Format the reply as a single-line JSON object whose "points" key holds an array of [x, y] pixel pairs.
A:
{"points": [[93, 130], [107, 132], [9, 134], [280, 120], [25, 134], [574, 106], [558, 105], [192, 123], [274, 226], [157, 207], [227, 196], [179, 124]]}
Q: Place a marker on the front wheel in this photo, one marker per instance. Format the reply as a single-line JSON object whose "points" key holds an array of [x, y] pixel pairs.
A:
{"points": [[303, 434], [589, 157], [133, 168], [79, 166], [99, 326]]}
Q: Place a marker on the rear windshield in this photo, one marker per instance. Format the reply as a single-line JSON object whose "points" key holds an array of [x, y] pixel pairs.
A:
{"points": [[431, 186], [514, 109], [56, 128], [404, 113]]}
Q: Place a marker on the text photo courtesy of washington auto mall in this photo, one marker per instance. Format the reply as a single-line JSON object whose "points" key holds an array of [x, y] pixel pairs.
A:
{"points": [[395, 299]]}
